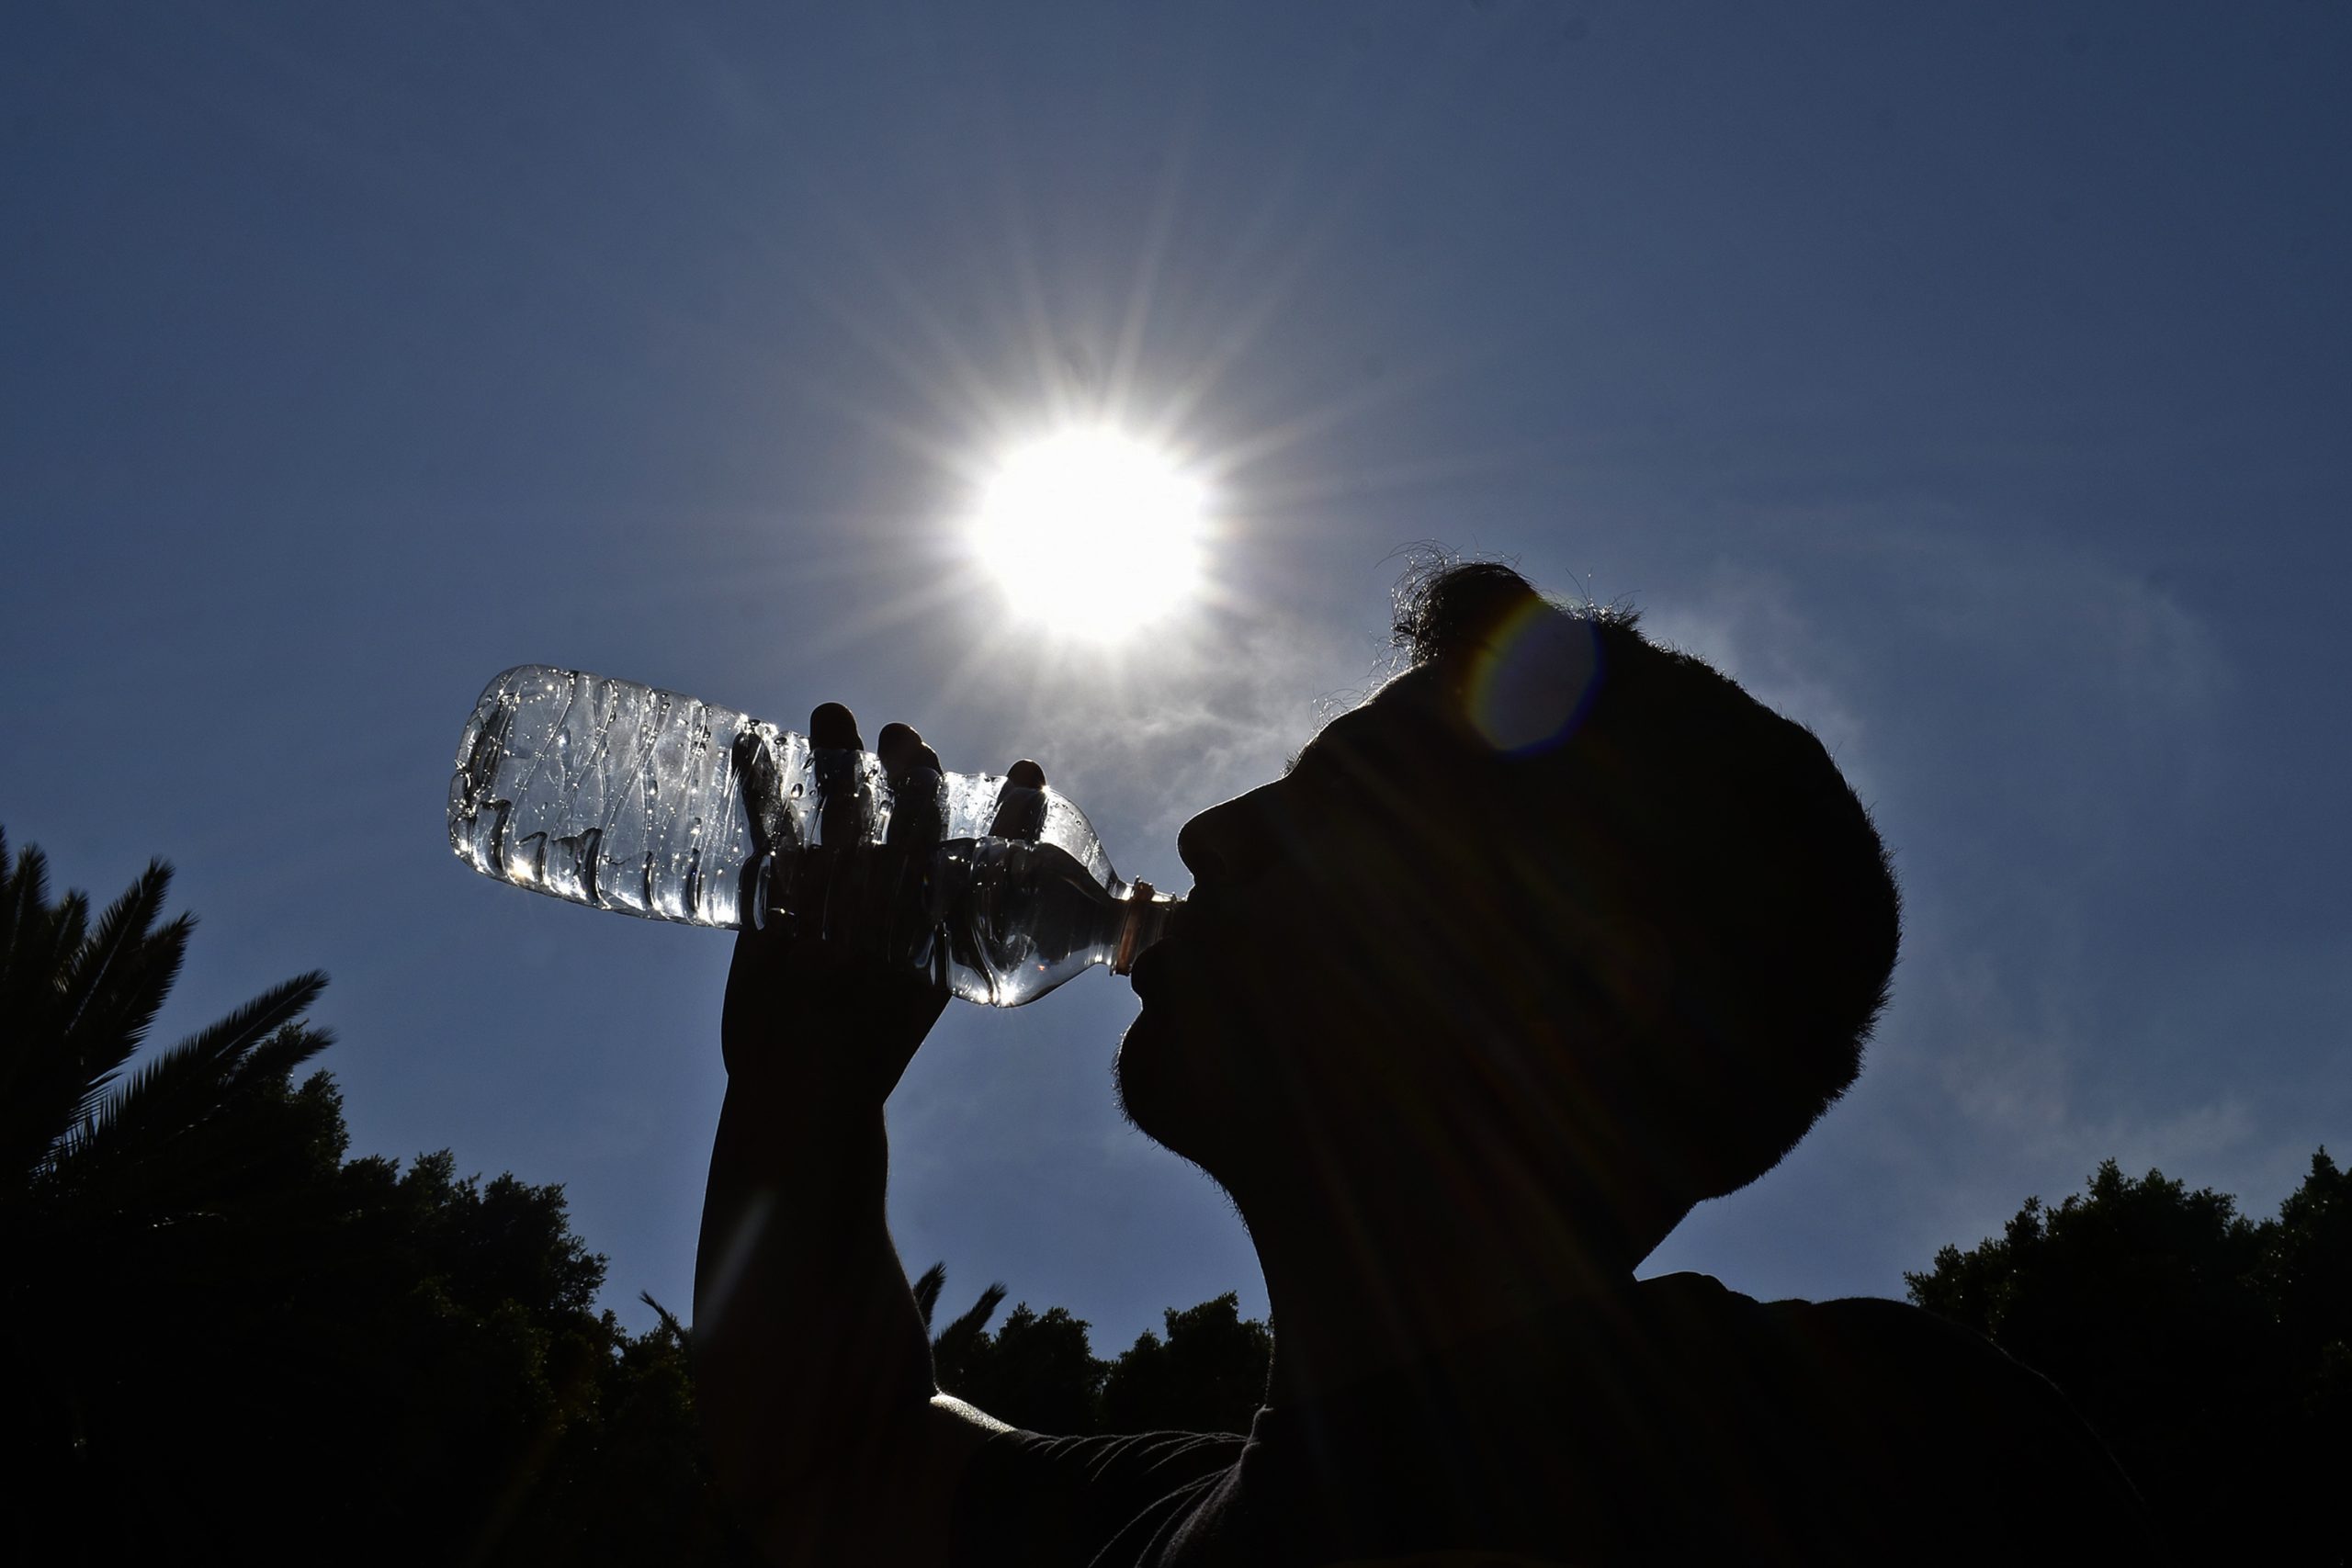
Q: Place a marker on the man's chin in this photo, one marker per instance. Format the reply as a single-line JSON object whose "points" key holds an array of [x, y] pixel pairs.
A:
{"points": [[1162, 1089], [1137, 1072]]}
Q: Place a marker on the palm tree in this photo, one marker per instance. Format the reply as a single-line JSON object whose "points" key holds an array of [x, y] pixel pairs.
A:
{"points": [[79, 1142], [221, 1341], [111, 1187]]}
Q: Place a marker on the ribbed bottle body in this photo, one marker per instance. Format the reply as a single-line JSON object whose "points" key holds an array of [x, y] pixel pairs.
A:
{"points": [[603, 792], [640, 801]]}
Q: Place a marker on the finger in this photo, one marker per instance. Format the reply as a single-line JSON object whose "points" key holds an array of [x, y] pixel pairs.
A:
{"points": [[1021, 804], [845, 804], [919, 812], [834, 727], [902, 751], [755, 778]]}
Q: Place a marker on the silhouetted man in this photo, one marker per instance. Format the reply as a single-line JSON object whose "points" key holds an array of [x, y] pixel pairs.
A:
{"points": [[1557, 935]]}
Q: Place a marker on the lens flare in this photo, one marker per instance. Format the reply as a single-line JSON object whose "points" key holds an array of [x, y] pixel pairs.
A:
{"points": [[1532, 679]]}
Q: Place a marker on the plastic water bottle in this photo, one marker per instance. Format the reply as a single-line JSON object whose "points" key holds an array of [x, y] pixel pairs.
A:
{"points": [[650, 803]]}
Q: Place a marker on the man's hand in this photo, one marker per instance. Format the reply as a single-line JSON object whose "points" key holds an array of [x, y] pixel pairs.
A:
{"points": [[858, 1022], [855, 1020], [813, 1366]]}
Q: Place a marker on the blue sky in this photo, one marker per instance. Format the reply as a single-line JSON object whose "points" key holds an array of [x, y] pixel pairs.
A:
{"points": [[1973, 384]]}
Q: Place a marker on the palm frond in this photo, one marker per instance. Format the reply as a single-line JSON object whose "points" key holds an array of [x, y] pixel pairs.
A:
{"points": [[277, 1056], [927, 1288], [46, 934], [69, 929], [112, 1025], [975, 1320], [953, 1350], [8, 895], [24, 901], [76, 1003], [93, 972], [177, 1089], [210, 1143]]}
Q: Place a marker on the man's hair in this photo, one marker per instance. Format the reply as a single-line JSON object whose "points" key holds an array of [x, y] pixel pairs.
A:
{"points": [[1677, 802]]}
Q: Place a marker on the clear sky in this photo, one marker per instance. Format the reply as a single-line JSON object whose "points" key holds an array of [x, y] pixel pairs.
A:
{"points": [[1971, 382]]}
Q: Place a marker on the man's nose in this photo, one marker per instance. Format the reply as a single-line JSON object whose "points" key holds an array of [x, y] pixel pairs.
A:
{"points": [[1229, 844]]}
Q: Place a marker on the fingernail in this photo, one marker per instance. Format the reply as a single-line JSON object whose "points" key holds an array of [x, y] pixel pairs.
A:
{"points": [[1025, 773]]}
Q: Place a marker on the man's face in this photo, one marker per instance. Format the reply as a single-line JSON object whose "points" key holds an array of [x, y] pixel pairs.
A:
{"points": [[1327, 953]]}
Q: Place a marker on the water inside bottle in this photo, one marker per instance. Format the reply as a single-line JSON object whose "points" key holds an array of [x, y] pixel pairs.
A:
{"points": [[604, 793], [631, 799], [1029, 917]]}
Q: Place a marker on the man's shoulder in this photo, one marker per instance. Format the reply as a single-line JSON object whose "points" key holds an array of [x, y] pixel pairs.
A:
{"points": [[1868, 1333], [1888, 1417], [1894, 1327], [1915, 1350], [1863, 1380]]}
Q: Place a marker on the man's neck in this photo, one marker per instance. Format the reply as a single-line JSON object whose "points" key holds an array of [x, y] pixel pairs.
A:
{"points": [[1356, 1293]]}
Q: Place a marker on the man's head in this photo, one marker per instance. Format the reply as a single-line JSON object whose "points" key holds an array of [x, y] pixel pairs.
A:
{"points": [[1555, 903]]}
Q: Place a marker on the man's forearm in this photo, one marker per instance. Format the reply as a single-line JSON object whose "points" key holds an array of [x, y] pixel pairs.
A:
{"points": [[810, 1358]]}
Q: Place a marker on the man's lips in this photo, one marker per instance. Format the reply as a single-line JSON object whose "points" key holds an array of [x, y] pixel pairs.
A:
{"points": [[1152, 969]]}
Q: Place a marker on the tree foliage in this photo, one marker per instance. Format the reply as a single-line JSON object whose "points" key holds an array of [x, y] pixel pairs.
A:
{"points": [[2211, 1351], [219, 1339], [222, 1338], [82, 1146], [1038, 1371], [1206, 1374]]}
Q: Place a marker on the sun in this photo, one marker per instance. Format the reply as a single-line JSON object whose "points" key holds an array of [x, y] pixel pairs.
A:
{"points": [[1091, 531]]}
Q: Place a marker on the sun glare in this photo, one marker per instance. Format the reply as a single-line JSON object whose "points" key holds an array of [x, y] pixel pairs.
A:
{"points": [[1091, 531]]}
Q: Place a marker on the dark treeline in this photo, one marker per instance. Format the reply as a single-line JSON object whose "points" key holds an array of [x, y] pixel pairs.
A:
{"points": [[224, 1338], [221, 1339], [2213, 1352], [1038, 1371]]}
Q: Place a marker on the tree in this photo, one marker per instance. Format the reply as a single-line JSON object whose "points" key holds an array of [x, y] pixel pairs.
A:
{"points": [[76, 1147], [1208, 1374], [1038, 1371], [954, 1349], [2210, 1350], [106, 1184], [2305, 1282], [219, 1339]]}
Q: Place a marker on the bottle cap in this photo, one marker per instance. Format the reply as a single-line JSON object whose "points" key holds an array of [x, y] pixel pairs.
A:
{"points": [[1131, 928]]}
